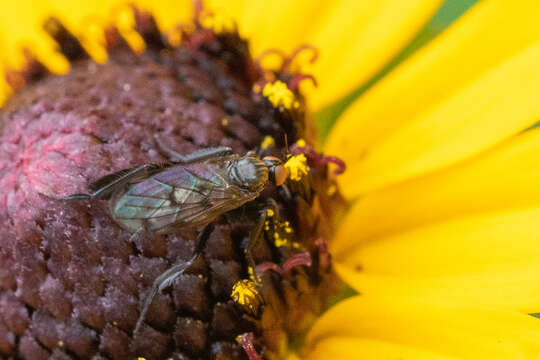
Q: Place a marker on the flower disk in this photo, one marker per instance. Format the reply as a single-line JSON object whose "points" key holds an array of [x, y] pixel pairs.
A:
{"points": [[73, 282]]}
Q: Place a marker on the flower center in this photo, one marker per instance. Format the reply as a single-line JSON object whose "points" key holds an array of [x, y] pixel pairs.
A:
{"points": [[82, 278]]}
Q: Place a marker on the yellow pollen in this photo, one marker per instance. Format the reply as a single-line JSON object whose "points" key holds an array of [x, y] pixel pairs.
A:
{"points": [[270, 212], [332, 189], [281, 242], [267, 142], [245, 294], [279, 95], [257, 88], [60, 343], [297, 166], [301, 143], [219, 23], [224, 122], [255, 278]]}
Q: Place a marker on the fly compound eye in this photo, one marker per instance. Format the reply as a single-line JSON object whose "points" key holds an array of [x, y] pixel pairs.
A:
{"points": [[277, 170], [280, 174]]}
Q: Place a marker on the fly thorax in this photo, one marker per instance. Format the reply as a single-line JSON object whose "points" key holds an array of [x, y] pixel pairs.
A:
{"points": [[249, 173]]}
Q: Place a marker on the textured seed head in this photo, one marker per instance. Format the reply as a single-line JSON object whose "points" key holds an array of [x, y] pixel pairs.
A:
{"points": [[72, 282]]}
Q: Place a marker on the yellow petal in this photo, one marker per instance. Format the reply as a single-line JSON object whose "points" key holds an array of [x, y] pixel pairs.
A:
{"points": [[459, 246], [78, 13], [357, 38], [20, 23], [453, 99], [360, 36], [489, 259], [362, 348], [282, 24], [20, 26], [482, 183], [231, 8], [509, 287], [444, 328]]}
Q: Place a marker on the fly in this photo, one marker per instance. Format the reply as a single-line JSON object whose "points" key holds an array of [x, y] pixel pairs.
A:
{"points": [[189, 191]]}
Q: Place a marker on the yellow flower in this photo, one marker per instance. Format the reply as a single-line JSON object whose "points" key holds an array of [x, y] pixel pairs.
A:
{"points": [[441, 241]]}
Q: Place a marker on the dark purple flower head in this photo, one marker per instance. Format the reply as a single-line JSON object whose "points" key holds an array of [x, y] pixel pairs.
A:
{"points": [[72, 281]]}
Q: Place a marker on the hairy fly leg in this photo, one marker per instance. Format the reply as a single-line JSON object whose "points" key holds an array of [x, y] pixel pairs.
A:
{"points": [[166, 279], [196, 156]]}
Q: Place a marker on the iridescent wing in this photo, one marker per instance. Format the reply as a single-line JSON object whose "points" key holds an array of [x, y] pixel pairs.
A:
{"points": [[192, 195], [104, 187]]}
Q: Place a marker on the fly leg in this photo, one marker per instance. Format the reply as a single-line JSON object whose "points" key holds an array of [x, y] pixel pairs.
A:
{"points": [[166, 279], [257, 235], [196, 156], [245, 293]]}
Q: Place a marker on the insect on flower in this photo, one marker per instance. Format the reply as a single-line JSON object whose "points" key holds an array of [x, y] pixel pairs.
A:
{"points": [[189, 191]]}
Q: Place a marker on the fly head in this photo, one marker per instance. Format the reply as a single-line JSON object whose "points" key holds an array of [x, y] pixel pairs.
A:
{"points": [[278, 174]]}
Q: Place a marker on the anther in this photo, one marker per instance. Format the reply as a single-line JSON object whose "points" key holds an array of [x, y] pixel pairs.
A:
{"points": [[280, 95], [69, 44], [318, 159], [246, 341], [297, 166]]}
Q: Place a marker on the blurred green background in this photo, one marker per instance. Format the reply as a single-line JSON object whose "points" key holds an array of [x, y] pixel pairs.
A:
{"points": [[448, 13]]}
